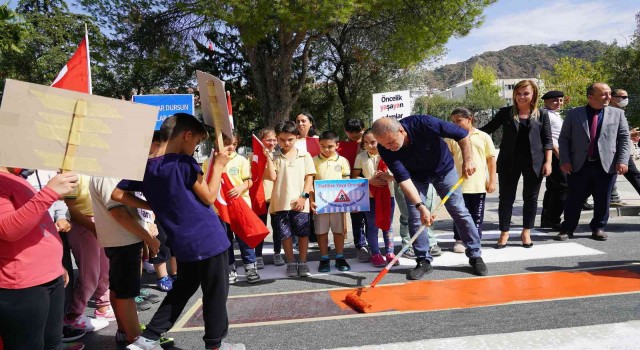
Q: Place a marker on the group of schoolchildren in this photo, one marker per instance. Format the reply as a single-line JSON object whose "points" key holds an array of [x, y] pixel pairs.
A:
{"points": [[108, 216]]}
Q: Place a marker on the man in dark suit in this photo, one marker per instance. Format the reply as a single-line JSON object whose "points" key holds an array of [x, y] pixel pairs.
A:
{"points": [[594, 148]]}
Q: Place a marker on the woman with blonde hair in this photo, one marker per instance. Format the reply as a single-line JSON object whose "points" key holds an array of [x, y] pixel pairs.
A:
{"points": [[525, 150]]}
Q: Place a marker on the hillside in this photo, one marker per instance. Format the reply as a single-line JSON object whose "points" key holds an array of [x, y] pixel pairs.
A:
{"points": [[518, 61]]}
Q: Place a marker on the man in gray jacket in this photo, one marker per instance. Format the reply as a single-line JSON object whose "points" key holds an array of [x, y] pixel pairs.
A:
{"points": [[594, 148]]}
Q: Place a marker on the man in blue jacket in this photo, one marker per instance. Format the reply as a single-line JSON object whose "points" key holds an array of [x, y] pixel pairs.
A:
{"points": [[416, 154]]}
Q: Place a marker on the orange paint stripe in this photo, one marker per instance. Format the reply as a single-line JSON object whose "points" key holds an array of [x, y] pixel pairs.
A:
{"points": [[497, 290]]}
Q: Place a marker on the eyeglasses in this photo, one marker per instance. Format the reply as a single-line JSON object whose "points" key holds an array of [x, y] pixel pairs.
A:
{"points": [[622, 97]]}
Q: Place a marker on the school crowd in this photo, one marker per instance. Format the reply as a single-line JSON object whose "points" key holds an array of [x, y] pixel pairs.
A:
{"points": [[165, 223]]}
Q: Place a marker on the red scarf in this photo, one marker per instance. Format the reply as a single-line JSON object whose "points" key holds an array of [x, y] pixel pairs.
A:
{"points": [[382, 198]]}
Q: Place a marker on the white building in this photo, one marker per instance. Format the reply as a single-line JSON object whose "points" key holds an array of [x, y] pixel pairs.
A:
{"points": [[459, 91]]}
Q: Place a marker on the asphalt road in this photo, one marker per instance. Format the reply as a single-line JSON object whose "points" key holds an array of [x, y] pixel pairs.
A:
{"points": [[512, 325]]}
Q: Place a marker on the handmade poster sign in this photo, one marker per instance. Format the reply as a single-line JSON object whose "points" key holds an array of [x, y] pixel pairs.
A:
{"points": [[213, 100], [42, 127], [342, 196]]}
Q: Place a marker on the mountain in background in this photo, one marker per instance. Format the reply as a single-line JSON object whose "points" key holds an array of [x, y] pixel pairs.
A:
{"points": [[520, 61]]}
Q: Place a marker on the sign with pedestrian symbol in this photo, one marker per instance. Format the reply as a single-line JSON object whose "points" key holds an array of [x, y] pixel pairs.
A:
{"points": [[341, 196]]}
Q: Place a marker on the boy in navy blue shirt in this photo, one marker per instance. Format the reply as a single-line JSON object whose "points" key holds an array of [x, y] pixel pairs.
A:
{"points": [[180, 197]]}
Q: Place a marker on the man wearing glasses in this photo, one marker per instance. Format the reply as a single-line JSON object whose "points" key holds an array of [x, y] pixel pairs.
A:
{"points": [[620, 99]]}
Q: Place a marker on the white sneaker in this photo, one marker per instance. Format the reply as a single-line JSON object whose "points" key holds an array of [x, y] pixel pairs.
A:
{"points": [[108, 315], [148, 267], [229, 346], [233, 274], [143, 343], [458, 247], [88, 324]]}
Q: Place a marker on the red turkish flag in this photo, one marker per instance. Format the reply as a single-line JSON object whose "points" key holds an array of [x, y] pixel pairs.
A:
{"points": [[258, 165], [313, 146], [382, 197], [76, 74], [243, 221], [349, 150]]}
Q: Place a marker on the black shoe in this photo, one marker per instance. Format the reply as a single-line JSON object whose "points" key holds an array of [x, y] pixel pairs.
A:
{"points": [[599, 235], [527, 245], [553, 226], [342, 264], [563, 236], [423, 267], [141, 304], [70, 334], [479, 267]]}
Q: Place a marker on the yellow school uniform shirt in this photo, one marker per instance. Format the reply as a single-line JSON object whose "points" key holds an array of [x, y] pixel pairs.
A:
{"points": [[82, 196], [290, 176], [238, 169], [335, 167], [368, 164], [482, 148]]}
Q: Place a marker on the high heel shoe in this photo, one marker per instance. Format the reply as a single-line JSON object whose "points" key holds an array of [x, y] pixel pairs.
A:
{"points": [[526, 245], [503, 245]]}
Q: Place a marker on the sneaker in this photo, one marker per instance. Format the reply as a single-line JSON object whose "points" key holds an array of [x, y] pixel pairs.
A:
{"points": [[423, 267], [363, 255], [409, 254], [152, 298], [73, 346], [325, 265], [342, 264], [165, 284], [251, 273], [435, 250], [260, 263], [233, 274], [313, 245], [108, 315], [121, 337], [292, 269], [148, 267], [141, 304], [377, 260], [617, 203], [458, 247], [479, 267], [143, 343], [166, 343], [303, 270], [229, 346], [278, 260], [70, 334], [389, 257], [87, 324]]}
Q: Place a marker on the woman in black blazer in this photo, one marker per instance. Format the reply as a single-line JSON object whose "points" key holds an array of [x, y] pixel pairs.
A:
{"points": [[525, 150]]}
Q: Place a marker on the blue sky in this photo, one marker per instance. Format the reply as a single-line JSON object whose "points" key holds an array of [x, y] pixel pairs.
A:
{"points": [[522, 22]]}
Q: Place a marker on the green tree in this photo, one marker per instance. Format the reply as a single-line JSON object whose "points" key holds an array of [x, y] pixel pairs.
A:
{"points": [[623, 66], [572, 76], [484, 93], [436, 105], [12, 30]]}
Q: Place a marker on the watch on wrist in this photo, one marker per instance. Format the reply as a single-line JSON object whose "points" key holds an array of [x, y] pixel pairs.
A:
{"points": [[304, 195], [420, 204]]}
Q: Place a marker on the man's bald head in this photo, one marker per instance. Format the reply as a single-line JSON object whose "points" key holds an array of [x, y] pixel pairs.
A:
{"points": [[389, 133], [599, 95]]}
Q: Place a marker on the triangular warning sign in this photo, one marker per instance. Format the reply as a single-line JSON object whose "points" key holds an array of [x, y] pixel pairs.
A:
{"points": [[342, 197]]}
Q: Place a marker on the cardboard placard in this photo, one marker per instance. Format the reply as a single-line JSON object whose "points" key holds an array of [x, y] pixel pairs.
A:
{"points": [[43, 127], [213, 100]]}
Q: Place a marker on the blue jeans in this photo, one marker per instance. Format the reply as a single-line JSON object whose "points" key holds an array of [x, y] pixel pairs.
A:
{"points": [[372, 229], [456, 208], [247, 253], [358, 223]]}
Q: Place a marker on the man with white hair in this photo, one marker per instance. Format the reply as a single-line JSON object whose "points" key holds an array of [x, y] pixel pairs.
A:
{"points": [[415, 152]]}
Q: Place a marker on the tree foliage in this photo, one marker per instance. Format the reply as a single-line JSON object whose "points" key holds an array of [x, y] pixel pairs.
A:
{"points": [[437, 106], [484, 94], [572, 76]]}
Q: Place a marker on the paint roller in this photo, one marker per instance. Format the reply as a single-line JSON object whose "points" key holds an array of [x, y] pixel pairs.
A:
{"points": [[354, 300]]}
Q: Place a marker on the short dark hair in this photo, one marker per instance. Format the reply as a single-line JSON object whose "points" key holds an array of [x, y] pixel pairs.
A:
{"points": [[264, 131], [616, 91], [591, 89], [187, 123], [286, 126], [465, 112], [157, 136], [366, 132], [166, 129], [329, 135], [353, 125]]}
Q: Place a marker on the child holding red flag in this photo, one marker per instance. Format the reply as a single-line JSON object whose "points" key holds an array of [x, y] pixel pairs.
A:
{"points": [[264, 143], [370, 165]]}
